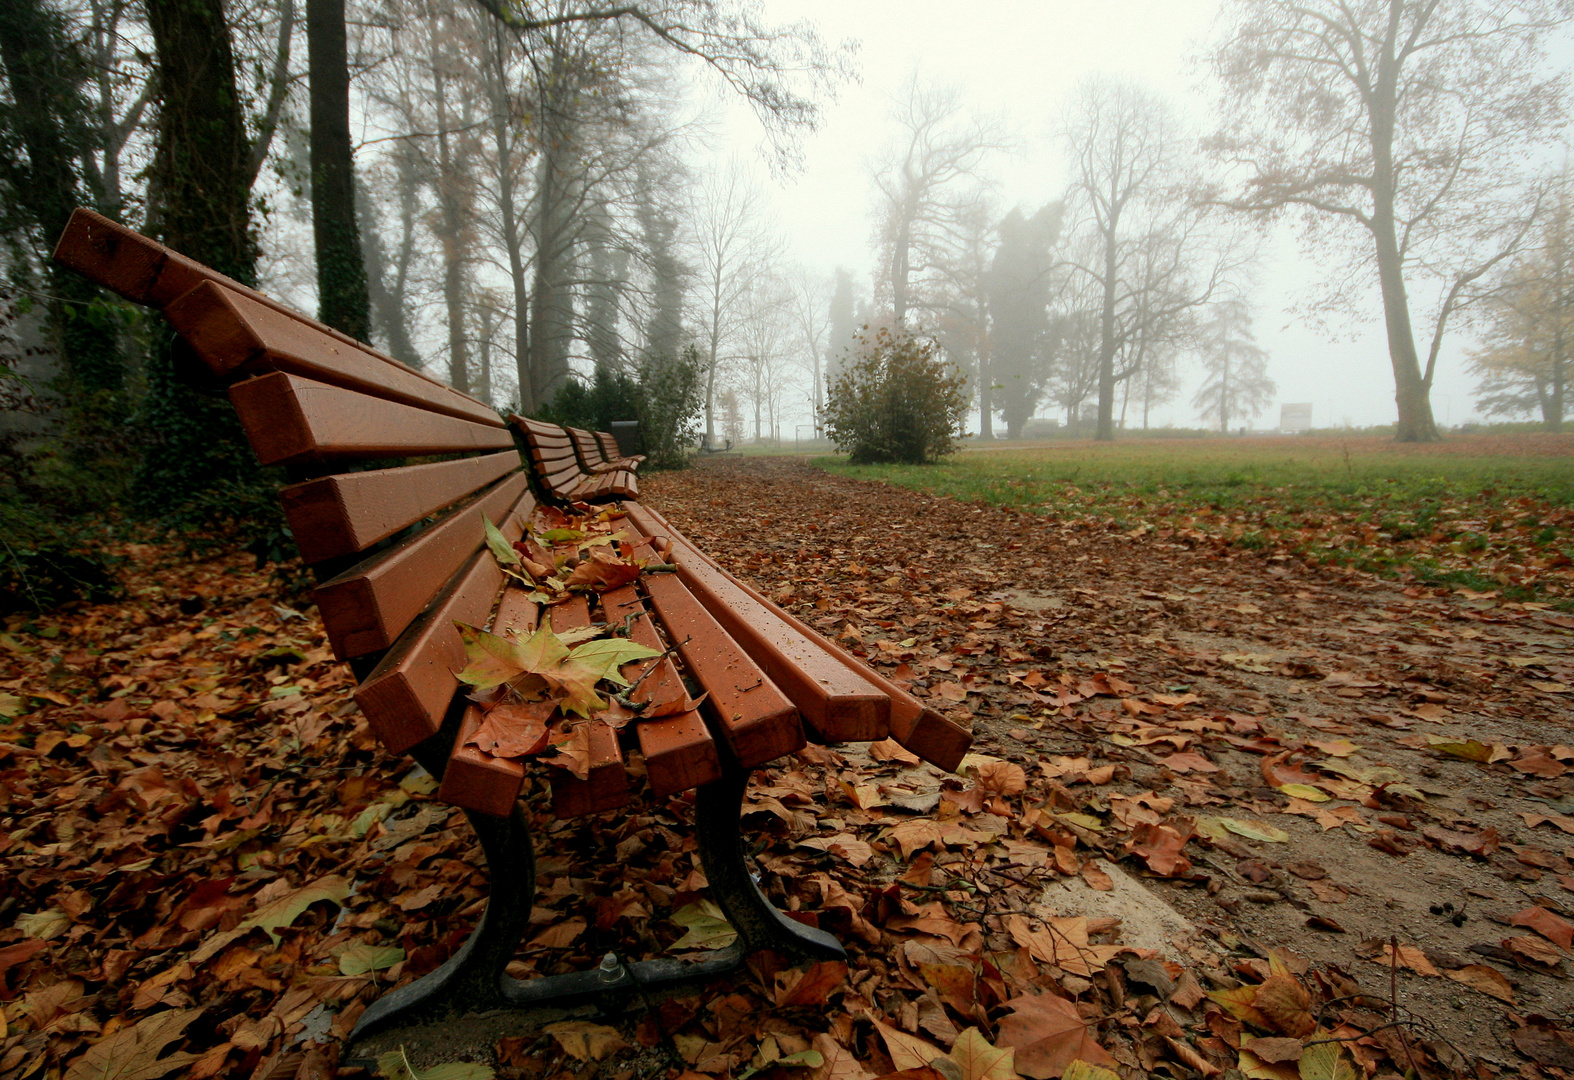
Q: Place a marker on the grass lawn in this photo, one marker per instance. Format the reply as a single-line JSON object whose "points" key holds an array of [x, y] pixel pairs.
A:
{"points": [[1489, 512]]}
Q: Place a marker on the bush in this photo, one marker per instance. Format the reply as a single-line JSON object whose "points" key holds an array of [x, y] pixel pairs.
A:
{"points": [[896, 401], [671, 397], [45, 562], [665, 399]]}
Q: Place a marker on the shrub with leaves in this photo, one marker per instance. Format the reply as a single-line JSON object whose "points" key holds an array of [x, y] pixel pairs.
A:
{"points": [[896, 401]]}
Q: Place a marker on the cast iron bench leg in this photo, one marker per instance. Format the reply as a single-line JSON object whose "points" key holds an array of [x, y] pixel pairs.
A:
{"points": [[473, 979]]}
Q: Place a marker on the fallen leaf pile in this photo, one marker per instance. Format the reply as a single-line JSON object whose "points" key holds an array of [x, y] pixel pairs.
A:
{"points": [[209, 866]]}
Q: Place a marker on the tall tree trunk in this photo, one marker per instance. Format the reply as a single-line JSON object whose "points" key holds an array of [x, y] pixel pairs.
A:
{"points": [[387, 305], [552, 304], [450, 170], [199, 463], [342, 300], [1412, 393]]}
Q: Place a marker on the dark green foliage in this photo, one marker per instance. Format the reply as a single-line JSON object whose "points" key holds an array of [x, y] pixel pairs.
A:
{"points": [[45, 561], [46, 131], [895, 400], [665, 399], [610, 395], [671, 397]]}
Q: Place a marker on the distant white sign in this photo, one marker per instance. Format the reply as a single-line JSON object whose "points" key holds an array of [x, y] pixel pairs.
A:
{"points": [[1294, 418]]}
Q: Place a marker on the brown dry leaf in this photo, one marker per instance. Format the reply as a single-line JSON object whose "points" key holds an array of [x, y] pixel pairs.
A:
{"points": [[1556, 930], [1287, 1005], [132, 1053], [812, 987], [890, 750], [836, 1061], [1274, 1050], [1002, 777], [1535, 948], [1407, 956], [602, 571], [585, 1041], [573, 750], [513, 730], [1096, 877], [907, 1051], [1048, 1034], [1484, 980]]}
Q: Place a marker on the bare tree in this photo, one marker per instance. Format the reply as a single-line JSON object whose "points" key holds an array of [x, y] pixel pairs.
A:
{"points": [[731, 249], [928, 188], [1151, 254], [1393, 127]]}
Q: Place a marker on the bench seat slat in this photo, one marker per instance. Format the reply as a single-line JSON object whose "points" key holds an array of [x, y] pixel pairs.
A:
{"points": [[292, 419], [607, 787], [475, 779], [368, 606], [917, 727], [678, 750], [234, 334], [614, 453], [744, 707], [840, 704], [340, 515]]}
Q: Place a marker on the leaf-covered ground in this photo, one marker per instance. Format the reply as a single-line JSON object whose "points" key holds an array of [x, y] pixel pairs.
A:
{"points": [[1355, 794]]}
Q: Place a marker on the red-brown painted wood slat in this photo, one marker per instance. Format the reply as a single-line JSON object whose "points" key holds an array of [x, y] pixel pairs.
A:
{"points": [[290, 419], [234, 333], [678, 750], [607, 786], [475, 779], [340, 515], [368, 606], [745, 708], [917, 727], [840, 704]]}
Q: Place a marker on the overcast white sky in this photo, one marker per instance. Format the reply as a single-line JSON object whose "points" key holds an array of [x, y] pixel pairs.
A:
{"points": [[1019, 59]]}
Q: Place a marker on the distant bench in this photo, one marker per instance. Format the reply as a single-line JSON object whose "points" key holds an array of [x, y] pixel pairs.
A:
{"points": [[401, 555]]}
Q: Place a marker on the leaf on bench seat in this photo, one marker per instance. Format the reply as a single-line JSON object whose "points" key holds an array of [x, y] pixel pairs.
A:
{"points": [[514, 730]]}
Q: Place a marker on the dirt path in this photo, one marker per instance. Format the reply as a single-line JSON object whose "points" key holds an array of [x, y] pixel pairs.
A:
{"points": [[1214, 678]]}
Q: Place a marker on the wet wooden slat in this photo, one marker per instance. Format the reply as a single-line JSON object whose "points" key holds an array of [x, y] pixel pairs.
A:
{"points": [[340, 515], [291, 419], [838, 703], [745, 708], [607, 787], [368, 606], [407, 694], [679, 751], [235, 334], [919, 728], [475, 779]]}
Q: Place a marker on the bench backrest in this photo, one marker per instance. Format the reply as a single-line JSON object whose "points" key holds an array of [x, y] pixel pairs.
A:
{"points": [[399, 549]]}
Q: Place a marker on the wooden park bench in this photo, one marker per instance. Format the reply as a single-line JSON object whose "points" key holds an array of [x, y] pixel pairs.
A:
{"points": [[400, 554]]}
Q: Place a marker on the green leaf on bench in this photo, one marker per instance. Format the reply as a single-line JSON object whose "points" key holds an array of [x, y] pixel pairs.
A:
{"points": [[608, 655], [708, 928], [543, 665]]}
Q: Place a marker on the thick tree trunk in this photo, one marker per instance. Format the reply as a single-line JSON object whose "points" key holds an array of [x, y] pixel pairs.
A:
{"points": [[450, 178], [342, 299], [1106, 424], [552, 322], [199, 463]]}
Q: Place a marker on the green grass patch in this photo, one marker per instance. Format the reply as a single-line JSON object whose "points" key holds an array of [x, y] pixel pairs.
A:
{"points": [[1498, 518]]}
